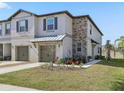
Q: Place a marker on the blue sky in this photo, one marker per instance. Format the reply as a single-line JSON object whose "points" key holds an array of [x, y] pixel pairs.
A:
{"points": [[109, 17]]}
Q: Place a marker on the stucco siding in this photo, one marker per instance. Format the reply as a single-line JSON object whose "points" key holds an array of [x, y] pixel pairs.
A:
{"points": [[59, 51], [31, 26], [67, 47], [7, 49], [61, 26], [3, 30], [33, 51], [96, 36], [68, 25], [95, 33], [76, 29]]}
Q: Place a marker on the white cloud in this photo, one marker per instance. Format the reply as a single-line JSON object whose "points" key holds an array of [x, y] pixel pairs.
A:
{"points": [[4, 5]]}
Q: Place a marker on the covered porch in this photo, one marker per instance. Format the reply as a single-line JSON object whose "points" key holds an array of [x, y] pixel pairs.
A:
{"points": [[94, 46], [50, 48]]}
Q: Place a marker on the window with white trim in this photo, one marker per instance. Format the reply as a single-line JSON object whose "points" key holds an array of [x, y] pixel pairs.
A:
{"points": [[50, 24], [8, 28], [22, 26]]}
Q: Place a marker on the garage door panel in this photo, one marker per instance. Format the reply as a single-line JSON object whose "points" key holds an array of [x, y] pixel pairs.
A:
{"points": [[22, 53], [47, 53]]}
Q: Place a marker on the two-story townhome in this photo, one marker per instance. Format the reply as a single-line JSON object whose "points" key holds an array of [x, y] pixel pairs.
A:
{"points": [[26, 36]]}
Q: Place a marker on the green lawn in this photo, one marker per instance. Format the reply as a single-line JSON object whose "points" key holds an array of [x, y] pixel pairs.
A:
{"points": [[102, 76]]}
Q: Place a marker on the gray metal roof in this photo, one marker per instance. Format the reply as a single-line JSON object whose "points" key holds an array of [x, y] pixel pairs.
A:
{"points": [[49, 38]]}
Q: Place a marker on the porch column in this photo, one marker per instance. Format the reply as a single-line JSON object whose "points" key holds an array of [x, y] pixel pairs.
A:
{"points": [[3, 51], [7, 51], [13, 53], [59, 50], [33, 52]]}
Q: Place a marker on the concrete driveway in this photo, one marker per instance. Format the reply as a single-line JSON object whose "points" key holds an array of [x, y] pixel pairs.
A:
{"points": [[16, 67], [6, 67], [5, 87]]}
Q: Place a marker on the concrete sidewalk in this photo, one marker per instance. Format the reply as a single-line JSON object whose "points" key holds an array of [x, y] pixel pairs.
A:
{"points": [[5, 87]]}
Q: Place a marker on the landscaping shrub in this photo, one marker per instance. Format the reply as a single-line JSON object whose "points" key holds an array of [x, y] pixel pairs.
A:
{"points": [[88, 58], [102, 57], [77, 60], [62, 61], [1, 58], [99, 57]]}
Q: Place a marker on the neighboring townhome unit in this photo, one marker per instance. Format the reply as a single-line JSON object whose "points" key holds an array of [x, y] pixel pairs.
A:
{"points": [[26, 36]]}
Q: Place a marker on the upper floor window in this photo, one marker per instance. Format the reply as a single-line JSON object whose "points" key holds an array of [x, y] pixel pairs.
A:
{"points": [[0, 29], [50, 24], [91, 29], [8, 28], [22, 26], [79, 47]]}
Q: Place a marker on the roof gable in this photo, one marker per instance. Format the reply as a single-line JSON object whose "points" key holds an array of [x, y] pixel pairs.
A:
{"points": [[19, 11]]}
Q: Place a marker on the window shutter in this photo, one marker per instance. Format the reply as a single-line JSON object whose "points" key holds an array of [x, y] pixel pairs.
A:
{"points": [[44, 24], [26, 23], [17, 26], [56, 22]]}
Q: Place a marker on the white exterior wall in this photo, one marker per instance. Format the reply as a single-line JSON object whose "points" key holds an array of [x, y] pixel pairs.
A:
{"points": [[68, 25], [35, 27], [95, 36], [4, 36], [31, 26], [33, 51], [7, 49], [23, 38], [59, 51], [64, 25], [67, 47]]}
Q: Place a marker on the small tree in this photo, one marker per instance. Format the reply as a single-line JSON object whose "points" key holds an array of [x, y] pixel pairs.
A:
{"points": [[121, 44], [121, 47], [108, 48]]}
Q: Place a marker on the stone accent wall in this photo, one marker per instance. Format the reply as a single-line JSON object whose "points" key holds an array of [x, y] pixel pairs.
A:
{"points": [[79, 34]]}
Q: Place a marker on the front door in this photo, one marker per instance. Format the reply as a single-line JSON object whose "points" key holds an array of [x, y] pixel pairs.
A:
{"points": [[22, 53], [47, 53]]}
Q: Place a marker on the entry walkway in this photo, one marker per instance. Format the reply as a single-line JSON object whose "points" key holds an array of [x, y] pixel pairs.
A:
{"points": [[86, 65], [89, 64], [5, 87]]}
